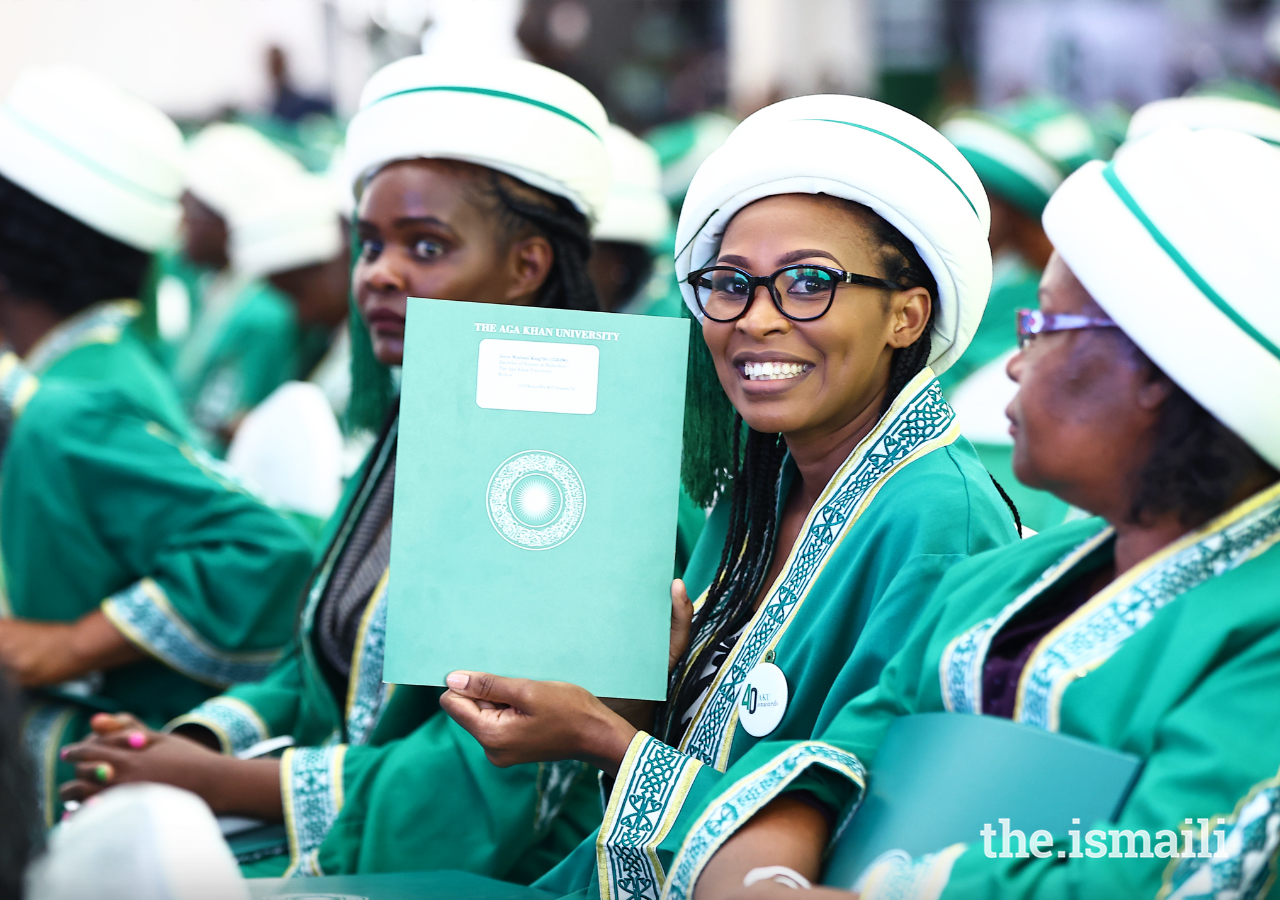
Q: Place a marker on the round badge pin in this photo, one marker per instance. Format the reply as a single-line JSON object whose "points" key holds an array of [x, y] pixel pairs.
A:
{"points": [[763, 700]]}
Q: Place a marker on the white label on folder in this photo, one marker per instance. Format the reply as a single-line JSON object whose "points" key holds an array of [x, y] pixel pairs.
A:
{"points": [[538, 377], [763, 700]]}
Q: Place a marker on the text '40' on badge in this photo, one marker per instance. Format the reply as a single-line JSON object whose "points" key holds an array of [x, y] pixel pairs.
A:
{"points": [[536, 500], [763, 700]]}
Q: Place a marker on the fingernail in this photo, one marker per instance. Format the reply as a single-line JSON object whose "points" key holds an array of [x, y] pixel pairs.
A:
{"points": [[62, 754], [137, 740], [102, 772], [458, 680]]}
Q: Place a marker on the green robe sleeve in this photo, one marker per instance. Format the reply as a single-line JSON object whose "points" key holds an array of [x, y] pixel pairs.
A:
{"points": [[429, 800], [253, 712], [217, 572]]}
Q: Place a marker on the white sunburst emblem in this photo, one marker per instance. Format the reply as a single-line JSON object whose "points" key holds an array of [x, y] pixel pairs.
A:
{"points": [[536, 500]]}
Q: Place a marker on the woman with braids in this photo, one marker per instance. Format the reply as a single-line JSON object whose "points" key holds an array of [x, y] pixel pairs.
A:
{"points": [[1147, 395], [378, 779], [844, 491]]}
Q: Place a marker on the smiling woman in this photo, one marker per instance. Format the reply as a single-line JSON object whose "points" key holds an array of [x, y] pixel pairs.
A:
{"points": [[378, 779], [848, 492], [1147, 388]]}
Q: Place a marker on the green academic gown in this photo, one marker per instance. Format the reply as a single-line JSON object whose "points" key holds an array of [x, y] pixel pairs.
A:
{"points": [[909, 503], [105, 505], [1177, 662], [379, 779], [980, 389], [243, 344]]}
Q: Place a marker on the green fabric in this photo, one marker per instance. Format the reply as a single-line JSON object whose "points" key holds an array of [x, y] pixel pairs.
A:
{"points": [[379, 783], [372, 387], [1015, 287], [865, 564], [240, 349], [1181, 670], [106, 504], [1039, 510]]}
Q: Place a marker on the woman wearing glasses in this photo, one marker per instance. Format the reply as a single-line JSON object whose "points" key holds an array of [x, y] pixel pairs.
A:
{"points": [[834, 252], [1147, 387]]}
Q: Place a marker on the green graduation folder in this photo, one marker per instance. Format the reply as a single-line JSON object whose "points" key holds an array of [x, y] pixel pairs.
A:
{"points": [[536, 496], [939, 778]]}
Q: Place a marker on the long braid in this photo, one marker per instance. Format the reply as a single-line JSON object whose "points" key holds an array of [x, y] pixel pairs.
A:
{"points": [[568, 285], [744, 562], [902, 264]]}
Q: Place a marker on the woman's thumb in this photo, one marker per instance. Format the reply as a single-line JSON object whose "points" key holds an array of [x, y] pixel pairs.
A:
{"points": [[681, 619]]}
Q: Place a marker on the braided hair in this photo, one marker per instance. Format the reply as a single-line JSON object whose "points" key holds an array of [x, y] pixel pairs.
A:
{"points": [[902, 264], [525, 209], [50, 256], [753, 485]]}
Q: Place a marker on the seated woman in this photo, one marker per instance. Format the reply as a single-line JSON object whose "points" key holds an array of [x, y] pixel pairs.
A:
{"points": [[852, 492], [379, 780], [135, 574], [1147, 389]]}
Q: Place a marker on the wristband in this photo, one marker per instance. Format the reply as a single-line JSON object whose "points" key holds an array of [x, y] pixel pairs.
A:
{"points": [[781, 874]]}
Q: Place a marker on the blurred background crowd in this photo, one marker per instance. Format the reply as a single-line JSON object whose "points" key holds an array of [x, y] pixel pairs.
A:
{"points": [[650, 61], [1028, 89]]}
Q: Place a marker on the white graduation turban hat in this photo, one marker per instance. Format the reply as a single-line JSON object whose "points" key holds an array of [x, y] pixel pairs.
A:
{"points": [[515, 116], [138, 841], [230, 166], [636, 211], [295, 223], [100, 155], [1208, 111], [868, 152], [1176, 240]]}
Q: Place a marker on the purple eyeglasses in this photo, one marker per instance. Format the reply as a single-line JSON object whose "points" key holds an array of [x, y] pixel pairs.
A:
{"points": [[1032, 322]]}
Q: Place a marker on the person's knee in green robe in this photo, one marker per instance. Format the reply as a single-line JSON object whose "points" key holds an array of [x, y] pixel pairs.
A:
{"points": [[376, 777], [135, 573]]}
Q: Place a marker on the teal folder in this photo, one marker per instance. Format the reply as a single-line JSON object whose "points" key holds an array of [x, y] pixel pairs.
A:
{"points": [[939, 778], [536, 496], [396, 886]]}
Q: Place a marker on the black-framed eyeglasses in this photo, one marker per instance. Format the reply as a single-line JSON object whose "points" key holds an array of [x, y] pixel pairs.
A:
{"points": [[1032, 322], [802, 293]]}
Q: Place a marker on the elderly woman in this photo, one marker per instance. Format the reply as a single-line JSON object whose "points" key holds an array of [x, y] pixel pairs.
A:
{"points": [[378, 779], [1147, 387], [834, 251]]}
